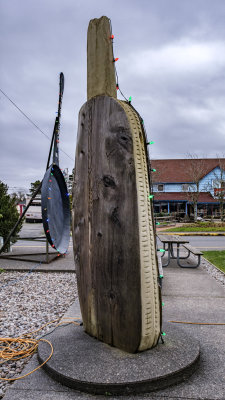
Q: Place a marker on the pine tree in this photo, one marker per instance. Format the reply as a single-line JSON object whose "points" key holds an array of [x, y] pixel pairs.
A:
{"points": [[9, 214], [34, 186]]}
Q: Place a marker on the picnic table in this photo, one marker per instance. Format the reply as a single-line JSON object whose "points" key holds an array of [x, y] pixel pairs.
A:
{"points": [[173, 240]]}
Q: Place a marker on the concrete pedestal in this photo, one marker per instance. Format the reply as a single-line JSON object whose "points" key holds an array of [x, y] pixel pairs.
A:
{"points": [[86, 364]]}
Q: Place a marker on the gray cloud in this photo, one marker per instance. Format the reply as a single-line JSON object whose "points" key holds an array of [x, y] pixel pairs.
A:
{"points": [[171, 61]]}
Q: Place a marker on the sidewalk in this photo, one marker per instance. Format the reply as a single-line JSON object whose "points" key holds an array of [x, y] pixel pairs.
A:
{"points": [[189, 295], [60, 264]]}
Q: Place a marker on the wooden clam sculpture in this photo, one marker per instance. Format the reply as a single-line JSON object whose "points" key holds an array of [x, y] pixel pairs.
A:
{"points": [[113, 229]]}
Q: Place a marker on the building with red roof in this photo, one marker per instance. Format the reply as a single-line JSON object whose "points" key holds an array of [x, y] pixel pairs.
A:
{"points": [[179, 184]]}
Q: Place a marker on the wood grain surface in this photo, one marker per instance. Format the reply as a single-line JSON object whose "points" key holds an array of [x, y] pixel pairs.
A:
{"points": [[100, 66], [113, 289]]}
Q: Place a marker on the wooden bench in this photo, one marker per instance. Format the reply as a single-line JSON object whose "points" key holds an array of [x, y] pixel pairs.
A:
{"points": [[192, 250]]}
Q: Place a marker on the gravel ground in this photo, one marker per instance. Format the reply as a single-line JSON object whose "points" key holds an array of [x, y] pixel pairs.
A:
{"points": [[213, 271], [28, 301]]}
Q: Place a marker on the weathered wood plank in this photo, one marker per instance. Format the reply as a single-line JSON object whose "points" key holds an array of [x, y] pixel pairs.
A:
{"points": [[105, 214], [113, 234], [100, 66]]}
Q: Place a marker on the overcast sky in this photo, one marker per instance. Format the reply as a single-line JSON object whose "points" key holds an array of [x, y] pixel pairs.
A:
{"points": [[171, 61]]}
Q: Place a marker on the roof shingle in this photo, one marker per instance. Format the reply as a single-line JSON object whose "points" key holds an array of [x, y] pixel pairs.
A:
{"points": [[182, 170]]}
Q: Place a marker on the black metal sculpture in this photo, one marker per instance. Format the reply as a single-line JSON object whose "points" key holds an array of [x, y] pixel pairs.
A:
{"points": [[54, 194]]}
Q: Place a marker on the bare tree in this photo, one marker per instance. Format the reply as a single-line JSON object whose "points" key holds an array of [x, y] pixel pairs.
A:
{"points": [[18, 196], [196, 170], [218, 185]]}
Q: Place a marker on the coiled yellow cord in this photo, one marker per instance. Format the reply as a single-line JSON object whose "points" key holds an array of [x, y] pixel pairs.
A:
{"points": [[13, 349]]}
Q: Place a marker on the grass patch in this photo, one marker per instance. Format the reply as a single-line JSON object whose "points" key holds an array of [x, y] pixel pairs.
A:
{"points": [[217, 258], [199, 227], [1, 270]]}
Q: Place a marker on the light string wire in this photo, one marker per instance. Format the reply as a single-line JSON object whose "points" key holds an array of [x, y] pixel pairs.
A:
{"points": [[30, 120], [47, 231], [13, 349], [21, 278], [141, 121], [139, 116], [117, 79], [149, 169], [151, 185]]}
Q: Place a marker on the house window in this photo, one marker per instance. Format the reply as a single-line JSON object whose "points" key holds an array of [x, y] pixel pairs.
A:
{"points": [[160, 188], [185, 187]]}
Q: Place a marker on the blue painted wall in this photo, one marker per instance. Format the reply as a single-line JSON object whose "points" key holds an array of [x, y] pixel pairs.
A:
{"points": [[206, 184], [170, 187]]}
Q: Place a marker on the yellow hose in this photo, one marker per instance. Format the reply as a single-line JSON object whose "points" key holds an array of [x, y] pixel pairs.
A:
{"points": [[13, 349]]}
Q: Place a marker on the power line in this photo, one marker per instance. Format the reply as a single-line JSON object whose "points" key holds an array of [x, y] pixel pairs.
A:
{"points": [[30, 120], [17, 187]]}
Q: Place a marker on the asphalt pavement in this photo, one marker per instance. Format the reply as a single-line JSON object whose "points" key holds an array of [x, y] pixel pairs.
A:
{"points": [[205, 243]]}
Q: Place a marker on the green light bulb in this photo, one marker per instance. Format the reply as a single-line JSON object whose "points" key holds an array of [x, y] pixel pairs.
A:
{"points": [[157, 223], [153, 170], [151, 196], [163, 334], [162, 250], [130, 98], [151, 142], [163, 304], [161, 276]]}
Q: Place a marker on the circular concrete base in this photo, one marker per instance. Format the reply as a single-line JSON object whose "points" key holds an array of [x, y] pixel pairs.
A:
{"points": [[86, 364]]}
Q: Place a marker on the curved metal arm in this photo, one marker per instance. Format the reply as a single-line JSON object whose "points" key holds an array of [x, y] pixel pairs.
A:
{"points": [[57, 122]]}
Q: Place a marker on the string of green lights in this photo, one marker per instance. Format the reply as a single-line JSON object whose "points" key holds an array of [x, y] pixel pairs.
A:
{"points": [[151, 196]]}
